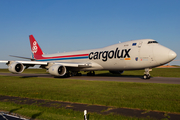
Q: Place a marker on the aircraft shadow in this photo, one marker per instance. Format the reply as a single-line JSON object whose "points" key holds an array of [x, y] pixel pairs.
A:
{"points": [[116, 75], [105, 75], [28, 76], [83, 75]]}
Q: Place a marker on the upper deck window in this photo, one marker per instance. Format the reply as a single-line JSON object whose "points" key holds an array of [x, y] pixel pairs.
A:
{"points": [[152, 42]]}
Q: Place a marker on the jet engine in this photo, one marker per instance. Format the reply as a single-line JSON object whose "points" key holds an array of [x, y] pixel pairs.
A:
{"points": [[57, 70], [16, 67], [116, 72]]}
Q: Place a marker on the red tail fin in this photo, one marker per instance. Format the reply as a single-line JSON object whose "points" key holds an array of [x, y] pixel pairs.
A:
{"points": [[36, 50]]}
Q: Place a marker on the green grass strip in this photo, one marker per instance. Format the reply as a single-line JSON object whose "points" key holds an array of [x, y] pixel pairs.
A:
{"points": [[149, 96], [50, 113]]}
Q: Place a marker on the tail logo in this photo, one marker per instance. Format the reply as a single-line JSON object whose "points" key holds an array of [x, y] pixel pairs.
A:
{"points": [[34, 47]]}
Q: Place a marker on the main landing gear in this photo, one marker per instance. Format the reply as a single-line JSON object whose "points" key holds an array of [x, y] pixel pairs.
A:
{"points": [[91, 73], [76, 74], [146, 73]]}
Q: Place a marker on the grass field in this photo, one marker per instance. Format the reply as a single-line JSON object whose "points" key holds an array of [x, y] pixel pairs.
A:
{"points": [[146, 96], [50, 113], [162, 97]]}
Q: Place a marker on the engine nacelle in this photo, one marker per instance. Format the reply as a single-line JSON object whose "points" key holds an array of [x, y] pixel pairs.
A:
{"points": [[116, 72], [16, 67], [57, 70]]}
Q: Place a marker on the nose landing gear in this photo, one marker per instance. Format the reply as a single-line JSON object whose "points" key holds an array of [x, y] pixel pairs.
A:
{"points": [[146, 73]]}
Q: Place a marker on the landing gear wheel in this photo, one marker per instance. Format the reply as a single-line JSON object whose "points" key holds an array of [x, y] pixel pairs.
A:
{"points": [[146, 73], [146, 76], [91, 73], [74, 73], [69, 74], [79, 74], [88, 74]]}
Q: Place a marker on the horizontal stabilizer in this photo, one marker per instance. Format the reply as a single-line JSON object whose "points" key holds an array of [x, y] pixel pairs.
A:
{"points": [[32, 59]]}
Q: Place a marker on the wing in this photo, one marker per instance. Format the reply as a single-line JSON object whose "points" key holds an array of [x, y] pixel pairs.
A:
{"points": [[54, 68], [25, 63], [67, 64]]}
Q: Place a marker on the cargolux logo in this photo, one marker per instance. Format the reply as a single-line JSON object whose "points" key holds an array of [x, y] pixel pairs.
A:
{"points": [[34, 47], [105, 55]]}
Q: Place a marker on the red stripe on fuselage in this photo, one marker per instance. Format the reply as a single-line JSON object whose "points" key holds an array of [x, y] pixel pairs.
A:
{"points": [[39, 57]]}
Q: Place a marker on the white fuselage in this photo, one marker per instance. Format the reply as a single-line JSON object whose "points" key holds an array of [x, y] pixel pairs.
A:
{"points": [[131, 55]]}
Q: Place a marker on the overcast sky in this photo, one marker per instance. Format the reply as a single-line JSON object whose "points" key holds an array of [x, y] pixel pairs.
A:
{"points": [[70, 25]]}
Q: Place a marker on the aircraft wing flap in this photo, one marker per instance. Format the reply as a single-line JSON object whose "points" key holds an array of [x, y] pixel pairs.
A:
{"points": [[75, 64], [33, 62]]}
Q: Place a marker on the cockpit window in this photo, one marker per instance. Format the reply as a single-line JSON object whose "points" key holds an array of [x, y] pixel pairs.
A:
{"points": [[152, 42]]}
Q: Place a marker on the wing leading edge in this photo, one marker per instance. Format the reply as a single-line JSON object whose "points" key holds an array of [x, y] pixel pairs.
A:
{"points": [[67, 64]]}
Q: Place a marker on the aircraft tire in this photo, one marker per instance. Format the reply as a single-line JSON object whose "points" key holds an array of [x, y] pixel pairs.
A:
{"points": [[146, 76], [91, 74], [69, 74], [79, 74]]}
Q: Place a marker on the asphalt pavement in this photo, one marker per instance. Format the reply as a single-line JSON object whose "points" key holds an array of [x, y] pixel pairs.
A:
{"points": [[165, 80]]}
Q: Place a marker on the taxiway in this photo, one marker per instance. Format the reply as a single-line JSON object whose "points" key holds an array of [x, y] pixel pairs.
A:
{"points": [[165, 80]]}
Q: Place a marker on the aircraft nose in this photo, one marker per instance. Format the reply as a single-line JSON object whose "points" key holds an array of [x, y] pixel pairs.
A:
{"points": [[163, 55], [172, 55]]}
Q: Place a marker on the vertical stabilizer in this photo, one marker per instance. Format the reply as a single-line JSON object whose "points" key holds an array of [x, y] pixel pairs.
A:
{"points": [[35, 48]]}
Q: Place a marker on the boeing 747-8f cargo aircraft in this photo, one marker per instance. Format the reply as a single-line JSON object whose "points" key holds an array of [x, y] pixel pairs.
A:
{"points": [[131, 55]]}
